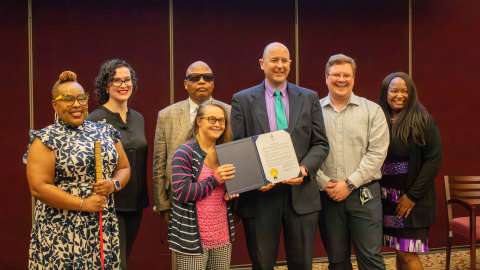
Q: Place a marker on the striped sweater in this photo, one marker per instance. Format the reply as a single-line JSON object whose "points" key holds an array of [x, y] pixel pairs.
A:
{"points": [[183, 233]]}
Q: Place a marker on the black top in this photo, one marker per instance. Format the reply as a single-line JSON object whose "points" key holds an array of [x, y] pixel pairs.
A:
{"points": [[423, 165], [134, 195]]}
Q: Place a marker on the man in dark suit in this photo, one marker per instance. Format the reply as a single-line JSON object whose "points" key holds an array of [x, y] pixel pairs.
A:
{"points": [[293, 204]]}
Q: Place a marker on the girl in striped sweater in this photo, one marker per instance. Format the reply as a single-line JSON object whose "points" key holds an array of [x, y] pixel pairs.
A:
{"points": [[201, 227]]}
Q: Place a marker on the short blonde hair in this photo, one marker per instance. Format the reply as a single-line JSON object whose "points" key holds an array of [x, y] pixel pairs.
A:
{"points": [[338, 59]]}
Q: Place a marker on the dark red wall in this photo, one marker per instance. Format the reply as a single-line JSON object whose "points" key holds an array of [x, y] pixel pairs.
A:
{"points": [[446, 39], [368, 32], [374, 33], [15, 218], [81, 35], [230, 36]]}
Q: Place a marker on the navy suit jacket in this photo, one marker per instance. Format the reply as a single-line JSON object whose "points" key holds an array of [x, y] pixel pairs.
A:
{"points": [[306, 127]]}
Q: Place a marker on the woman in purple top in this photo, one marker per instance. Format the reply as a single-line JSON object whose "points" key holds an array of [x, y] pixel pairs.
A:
{"points": [[413, 160], [201, 226]]}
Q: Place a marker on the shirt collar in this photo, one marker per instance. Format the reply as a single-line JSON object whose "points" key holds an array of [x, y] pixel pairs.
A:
{"points": [[355, 100], [66, 125], [194, 106], [105, 109], [270, 89]]}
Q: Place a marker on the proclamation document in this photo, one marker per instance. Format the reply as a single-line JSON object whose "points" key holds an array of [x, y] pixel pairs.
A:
{"points": [[258, 160], [277, 155]]}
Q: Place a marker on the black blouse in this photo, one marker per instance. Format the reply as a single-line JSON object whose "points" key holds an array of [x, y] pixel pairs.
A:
{"points": [[424, 162], [134, 195]]}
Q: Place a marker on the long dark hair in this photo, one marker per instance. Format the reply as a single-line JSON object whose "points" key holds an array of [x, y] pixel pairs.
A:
{"points": [[227, 133], [105, 76], [413, 119]]}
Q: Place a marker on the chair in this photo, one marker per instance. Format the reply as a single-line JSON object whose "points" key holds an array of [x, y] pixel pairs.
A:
{"points": [[463, 191]]}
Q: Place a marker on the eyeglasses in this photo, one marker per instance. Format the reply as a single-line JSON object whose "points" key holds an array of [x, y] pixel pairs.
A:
{"points": [[336, 76], [212, 120], [195, 77], [118, 82], [69, 100]]}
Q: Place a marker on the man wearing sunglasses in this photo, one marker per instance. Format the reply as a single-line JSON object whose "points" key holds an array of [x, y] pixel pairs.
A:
{"points": [[174, 128], [293, 204]]}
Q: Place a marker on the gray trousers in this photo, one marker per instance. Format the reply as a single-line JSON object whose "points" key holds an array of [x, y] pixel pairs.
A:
{"points": [[348, 221]]}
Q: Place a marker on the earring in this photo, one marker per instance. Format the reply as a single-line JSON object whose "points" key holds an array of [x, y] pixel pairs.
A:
{"points": [[55, 117]]}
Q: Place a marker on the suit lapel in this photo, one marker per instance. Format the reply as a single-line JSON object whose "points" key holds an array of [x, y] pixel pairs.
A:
{"points": [[184, 119], [295, 103], [260, 107]]}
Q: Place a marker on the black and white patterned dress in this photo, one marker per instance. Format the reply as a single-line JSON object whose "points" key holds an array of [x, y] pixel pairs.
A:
{"points": [[65, 239]]}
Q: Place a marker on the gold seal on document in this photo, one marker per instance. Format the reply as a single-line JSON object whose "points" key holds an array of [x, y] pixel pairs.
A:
{"points": [[274, 173]]}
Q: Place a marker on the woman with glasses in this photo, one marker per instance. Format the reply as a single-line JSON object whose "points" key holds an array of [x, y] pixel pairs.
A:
{"points": [[408, 173], [201, 227], [114, 85], [61, 176]]}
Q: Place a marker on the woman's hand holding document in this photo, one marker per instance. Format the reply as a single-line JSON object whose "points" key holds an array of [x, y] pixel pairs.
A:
{"points": [[261, 162]]}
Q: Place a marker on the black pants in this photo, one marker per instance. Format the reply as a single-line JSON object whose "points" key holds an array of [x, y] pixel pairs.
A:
{"points": [[128, 225], [263, 232], [349, 221]]}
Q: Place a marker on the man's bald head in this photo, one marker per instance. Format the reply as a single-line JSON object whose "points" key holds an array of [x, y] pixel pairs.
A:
{"points": [[198, 65], [274, 46]]}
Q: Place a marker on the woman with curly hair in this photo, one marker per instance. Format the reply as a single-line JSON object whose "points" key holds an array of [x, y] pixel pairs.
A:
{"points": [[114, 86]]}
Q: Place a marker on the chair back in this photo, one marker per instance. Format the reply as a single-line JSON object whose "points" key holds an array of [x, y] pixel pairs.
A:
{"points": [[465, 188]]}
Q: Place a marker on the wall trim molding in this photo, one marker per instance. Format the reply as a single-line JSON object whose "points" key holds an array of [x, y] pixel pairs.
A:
{"points": [[171, 58], [410, 38], [30, 64], [297, 46], [30, 82]]}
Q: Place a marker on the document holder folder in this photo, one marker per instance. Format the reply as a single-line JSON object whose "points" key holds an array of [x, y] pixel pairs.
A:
{"points": [[248, 168]]}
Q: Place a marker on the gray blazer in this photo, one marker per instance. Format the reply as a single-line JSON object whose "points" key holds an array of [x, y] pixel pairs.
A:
{"points": [[249, 117], [173, 129]]}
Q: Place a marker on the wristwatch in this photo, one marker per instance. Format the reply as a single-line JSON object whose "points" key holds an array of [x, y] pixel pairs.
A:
{"points": [[116, 184], [350, 185]]}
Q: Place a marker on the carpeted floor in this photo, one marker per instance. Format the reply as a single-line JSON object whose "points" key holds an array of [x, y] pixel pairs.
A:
{"points": [[435, 260]]}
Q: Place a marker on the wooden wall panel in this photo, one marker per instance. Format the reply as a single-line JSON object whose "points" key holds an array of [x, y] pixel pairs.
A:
{"points": [[80, 36], [446, 38], [374, 33], [230, 36], [15, 220]]}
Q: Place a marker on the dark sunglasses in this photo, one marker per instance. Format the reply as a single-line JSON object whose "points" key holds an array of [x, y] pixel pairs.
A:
{"points": [[195, 77]]}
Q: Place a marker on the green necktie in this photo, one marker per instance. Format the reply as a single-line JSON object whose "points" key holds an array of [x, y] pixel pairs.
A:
{"points": [[279, 111]]}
